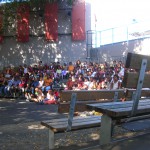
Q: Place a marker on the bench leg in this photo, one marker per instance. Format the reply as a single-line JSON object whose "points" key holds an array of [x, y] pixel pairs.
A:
{"points": [[105, 130], [51, 139]]}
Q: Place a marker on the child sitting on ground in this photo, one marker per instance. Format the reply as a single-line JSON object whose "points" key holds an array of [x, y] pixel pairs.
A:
{"points": [[28, 92], [39, 96], [50, 98]]}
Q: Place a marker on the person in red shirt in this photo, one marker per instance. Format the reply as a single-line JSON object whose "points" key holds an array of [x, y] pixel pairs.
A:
{"points": [[69, 84], [22, 86], [57, 94]]}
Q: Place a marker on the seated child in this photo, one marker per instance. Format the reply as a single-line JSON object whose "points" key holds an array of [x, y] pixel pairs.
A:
{"points": [[50, 98], [39, 96]]}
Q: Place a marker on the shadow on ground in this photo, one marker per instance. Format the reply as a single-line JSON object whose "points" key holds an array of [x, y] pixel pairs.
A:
{"points": [[20, 128], [19, 111]]}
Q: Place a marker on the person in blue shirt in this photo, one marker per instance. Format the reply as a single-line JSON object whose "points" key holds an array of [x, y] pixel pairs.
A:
{"points": [[8, 87], [34, 85], [15, 86]]}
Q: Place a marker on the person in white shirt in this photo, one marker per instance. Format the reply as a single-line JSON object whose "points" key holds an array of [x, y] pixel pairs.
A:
{"points": [[85, 84], [90, 87], [115, 83], [41, 82]]}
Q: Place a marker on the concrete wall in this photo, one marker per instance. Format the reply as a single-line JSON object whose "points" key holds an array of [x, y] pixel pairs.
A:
{"points": [[12, 52], [118, 51]]}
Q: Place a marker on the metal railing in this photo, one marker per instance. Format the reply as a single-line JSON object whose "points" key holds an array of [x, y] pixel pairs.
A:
{"points": [[118, 34]]}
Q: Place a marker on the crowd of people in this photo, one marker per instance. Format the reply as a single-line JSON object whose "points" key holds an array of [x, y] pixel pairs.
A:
{"points": [[37, 82]]}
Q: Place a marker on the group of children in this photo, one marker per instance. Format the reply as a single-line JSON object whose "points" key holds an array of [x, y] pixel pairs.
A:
{"points": [[51, 97], [36, 83]]}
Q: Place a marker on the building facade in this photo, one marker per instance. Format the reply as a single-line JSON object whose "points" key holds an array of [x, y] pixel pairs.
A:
{"points": [[38, 48]]}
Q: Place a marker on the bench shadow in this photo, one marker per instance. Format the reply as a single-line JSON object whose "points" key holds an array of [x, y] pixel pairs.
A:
{"points": [[79, 146]]}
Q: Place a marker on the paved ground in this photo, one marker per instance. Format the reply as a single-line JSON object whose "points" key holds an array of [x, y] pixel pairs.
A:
{"points": [[136, 143], [20, 127], [20, 111]]}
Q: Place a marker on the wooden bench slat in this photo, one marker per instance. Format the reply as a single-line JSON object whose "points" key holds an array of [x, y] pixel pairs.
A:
{"points": [[144, 93], [121, 105], [75, 119], [130, 80], [126, 112], [84, 95], [118, 109], [87, 122], [66, 118], [106, 105], [134, 61], [80, 105], [84, 121], [122, 108], [75, 126], [117, 103]]}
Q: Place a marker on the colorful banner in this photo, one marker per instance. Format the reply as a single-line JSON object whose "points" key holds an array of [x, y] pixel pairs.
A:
{"points": [[23, 23], [51, 21], [78, 20]]}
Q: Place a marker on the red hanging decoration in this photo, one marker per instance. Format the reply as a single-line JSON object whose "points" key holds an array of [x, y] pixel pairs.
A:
{"points": [[78, 20], [51, 21], [23, 23]]}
